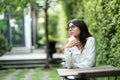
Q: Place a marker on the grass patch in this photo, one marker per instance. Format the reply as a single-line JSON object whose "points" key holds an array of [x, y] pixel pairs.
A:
{"points": [[36, 74], [54, 75]]}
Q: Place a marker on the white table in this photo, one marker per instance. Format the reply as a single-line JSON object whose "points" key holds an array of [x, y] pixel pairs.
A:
{"points": [[93, 72]]}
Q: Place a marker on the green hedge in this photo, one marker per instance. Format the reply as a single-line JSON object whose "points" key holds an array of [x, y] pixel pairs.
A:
{"points": [[103, 19]]}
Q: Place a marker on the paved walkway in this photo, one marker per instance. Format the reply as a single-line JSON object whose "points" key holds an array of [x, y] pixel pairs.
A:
{"points": [[29, 75], [35, 54]]}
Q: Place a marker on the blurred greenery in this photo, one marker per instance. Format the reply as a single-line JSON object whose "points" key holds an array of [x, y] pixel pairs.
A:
{"points": [[14, 6], [3, 25]]}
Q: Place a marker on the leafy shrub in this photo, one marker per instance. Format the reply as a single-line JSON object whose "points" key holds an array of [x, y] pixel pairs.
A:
{"points": [[3, 45]]}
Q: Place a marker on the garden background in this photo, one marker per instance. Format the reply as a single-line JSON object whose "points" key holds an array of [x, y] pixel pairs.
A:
{"points": [[101, 16]]}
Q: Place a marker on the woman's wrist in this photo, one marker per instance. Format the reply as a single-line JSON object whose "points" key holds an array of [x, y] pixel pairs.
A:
{"points": [[67, 46]]}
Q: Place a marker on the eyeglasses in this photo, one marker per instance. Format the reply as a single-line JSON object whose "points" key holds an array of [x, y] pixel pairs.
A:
{"points": [[71, 25]]}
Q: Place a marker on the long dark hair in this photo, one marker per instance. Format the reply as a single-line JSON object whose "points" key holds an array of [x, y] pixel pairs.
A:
{"points": [[83, 28]]}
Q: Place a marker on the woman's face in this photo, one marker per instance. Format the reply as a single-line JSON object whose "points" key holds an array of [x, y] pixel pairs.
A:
{"points": [[73, 30]]}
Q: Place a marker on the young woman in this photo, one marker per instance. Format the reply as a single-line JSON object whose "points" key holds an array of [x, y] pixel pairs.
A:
{"points": [[80, 50]]}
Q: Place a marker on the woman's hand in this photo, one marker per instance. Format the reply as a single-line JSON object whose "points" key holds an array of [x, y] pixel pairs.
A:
{"points": [[72, 43]]}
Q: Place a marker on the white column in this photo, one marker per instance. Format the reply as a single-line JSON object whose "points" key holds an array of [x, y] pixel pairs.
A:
{"points": [[27, 28]]}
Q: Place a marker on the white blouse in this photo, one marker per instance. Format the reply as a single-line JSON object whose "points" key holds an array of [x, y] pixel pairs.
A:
{"points": [[75, 59]]}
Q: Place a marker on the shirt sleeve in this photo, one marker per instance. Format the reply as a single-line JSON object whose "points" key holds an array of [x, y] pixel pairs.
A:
{"points": [[68, 56], [88, 54]]}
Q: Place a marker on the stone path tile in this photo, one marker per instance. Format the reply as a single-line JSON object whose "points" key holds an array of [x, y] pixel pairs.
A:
{"points": [[28, 75], [11, 75], [45, 75]]}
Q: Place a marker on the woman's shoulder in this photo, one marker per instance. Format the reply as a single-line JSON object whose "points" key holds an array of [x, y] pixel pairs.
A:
{"points": [[90, 41], [91, 38]]}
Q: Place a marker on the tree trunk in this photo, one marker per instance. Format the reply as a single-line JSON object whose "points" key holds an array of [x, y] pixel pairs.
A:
{"points": [[46, 30]]}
